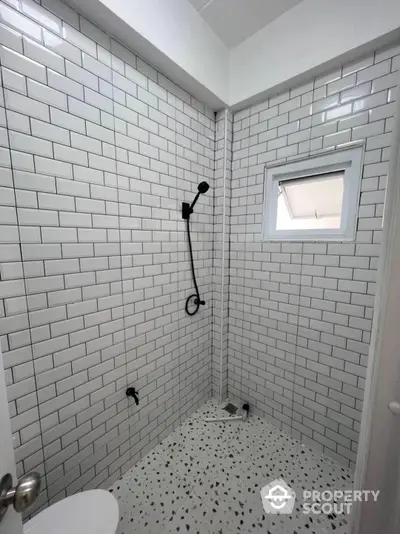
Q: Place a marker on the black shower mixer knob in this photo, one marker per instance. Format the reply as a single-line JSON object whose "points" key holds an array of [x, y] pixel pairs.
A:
{"points": [[131, 392]]}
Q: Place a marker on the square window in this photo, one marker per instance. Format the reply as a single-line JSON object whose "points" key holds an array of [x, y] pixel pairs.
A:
{"points": [[314, 199]]}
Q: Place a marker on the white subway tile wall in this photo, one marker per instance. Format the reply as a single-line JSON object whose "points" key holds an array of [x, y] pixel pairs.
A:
{"points": [[222, 203], [300, 313], [98, 151]]}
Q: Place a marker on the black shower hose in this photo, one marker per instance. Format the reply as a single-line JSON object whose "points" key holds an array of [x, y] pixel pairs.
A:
{"points": [[195, 296]]}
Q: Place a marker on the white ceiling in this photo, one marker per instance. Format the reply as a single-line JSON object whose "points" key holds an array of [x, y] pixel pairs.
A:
{"points": [[236, 20]]}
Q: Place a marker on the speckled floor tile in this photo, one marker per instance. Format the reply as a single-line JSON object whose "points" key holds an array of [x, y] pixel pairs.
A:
{"points": [[148, 495], [197, 518], [206, 478]]}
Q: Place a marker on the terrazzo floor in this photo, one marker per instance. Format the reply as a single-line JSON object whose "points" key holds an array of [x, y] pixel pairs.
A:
{"points": [[205, 478]]}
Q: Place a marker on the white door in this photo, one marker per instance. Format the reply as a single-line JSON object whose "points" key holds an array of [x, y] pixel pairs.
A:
{"points": [[378, 465], [12, 522]]}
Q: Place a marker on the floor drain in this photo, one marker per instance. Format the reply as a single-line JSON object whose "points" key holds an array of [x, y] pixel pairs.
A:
{"points": [[230, 408]]}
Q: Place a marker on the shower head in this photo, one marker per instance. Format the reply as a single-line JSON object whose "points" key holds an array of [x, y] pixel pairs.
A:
{"points": [[187, 209], [203, 187]]}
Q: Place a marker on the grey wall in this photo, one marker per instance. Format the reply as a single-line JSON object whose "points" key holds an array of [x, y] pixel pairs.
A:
{"points": [[300, 313], [98, 150]]}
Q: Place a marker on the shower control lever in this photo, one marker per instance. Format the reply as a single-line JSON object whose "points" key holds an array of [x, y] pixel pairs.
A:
{"points": [[131, 392]]}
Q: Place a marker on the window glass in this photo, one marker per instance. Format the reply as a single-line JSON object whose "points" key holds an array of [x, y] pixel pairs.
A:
{"points": [[314, 198], [314, 202]]}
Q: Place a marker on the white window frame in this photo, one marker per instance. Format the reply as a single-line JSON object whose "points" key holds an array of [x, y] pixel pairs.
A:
{"points": [[350, 160]]}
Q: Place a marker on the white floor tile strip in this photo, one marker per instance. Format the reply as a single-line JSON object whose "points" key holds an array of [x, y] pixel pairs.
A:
{"points": [[205, 478]]}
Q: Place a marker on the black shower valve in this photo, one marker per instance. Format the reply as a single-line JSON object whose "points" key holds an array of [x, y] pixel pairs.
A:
{"points": [[131, 392]]}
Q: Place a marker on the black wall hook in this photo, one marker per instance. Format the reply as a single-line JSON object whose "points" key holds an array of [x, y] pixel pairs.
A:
{"points": [[131, 392]]}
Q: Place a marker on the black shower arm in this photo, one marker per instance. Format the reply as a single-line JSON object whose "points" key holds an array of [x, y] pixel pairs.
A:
{"points": [[195, 200]]}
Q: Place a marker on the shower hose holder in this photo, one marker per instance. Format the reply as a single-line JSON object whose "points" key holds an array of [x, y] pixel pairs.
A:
{"points": [[187, 210]]}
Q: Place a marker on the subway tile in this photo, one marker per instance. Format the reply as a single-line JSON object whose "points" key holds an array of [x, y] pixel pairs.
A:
{"points": [[18, 122], [46, 94], [41, 16], [67, 121], [30, 144], [59, 235], [55, 202], [119, 81], [375, 71], [134, 75], [41, 251], [95, 33], [352, 121], [99, 132], [44, 56], [62, 10], [72, 187], [96, 67], [82, 76], [50, 132], [82, 110], [22, 64], [376, 99], [14, 81], [356, 92], [70, 155], [85, 143], [328, 78], [101, 102], [326, 103], [385, 82], [79, 40], [26, 106], [337, 138], [358, 65], [61, 47], [10, 38], [64, 84], [53, 167], [342, 84], [21, 23]]}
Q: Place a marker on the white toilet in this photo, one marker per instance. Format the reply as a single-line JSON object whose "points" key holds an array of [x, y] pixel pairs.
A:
{"points": [[89, 512]]}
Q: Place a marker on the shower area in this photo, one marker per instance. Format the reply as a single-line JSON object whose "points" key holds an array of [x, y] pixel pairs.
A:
{"points": [[119, 339]]}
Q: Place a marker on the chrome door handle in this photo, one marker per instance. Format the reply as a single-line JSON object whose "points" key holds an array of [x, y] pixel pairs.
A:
{"points": [[22, 496]]}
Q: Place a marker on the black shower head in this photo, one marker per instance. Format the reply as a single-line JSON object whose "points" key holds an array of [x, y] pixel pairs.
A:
{"points": [[187, 209], [203, 187]]}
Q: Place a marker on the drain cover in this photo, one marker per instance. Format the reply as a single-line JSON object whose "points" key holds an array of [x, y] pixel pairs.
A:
{"points": [[230, 408]]}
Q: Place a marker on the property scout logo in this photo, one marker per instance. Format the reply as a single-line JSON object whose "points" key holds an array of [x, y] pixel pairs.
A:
{"points": [[278, 498]]}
